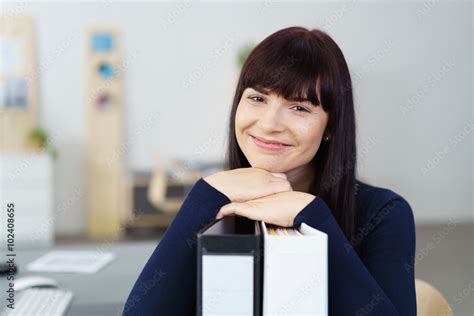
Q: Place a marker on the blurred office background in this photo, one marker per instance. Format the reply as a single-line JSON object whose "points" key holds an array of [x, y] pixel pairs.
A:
{"points": [[178, 65]]}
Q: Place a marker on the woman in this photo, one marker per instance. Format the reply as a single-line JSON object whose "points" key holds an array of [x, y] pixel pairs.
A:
{"points": [[292, 159]]}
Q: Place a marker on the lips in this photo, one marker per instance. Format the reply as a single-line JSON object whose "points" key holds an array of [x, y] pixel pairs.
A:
{"points": [[269, 145], [269, 142]]}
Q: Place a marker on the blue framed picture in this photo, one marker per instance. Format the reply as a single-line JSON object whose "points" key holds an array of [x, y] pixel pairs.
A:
{"points": [[102, 42]]}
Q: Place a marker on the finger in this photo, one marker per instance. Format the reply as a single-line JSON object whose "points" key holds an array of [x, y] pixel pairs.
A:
{"points": [[235, 208], [281, 186], [279, 175], [226, 210], [229, 209]]}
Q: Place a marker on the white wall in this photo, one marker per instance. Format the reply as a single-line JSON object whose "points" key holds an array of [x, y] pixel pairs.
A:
{"points": [[411, 64]]}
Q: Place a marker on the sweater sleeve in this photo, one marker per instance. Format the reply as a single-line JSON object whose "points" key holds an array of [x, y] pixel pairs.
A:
{"points": [[381, 281], [167, 283]]}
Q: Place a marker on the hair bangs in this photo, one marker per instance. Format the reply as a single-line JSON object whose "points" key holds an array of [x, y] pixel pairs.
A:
{"points": [[292, 74]]}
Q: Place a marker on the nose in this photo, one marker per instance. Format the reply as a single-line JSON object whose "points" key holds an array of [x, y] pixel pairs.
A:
{"points": [[272, 119]]}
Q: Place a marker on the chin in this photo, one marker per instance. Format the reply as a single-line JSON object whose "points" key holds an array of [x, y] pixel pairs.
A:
{"points": [[268, 168]]}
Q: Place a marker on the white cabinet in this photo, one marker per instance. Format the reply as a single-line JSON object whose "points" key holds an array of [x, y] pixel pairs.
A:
{"points": [[27, 183]]}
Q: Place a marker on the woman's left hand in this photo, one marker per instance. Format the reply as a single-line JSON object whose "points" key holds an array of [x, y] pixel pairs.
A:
{"points": [[278, 209]]}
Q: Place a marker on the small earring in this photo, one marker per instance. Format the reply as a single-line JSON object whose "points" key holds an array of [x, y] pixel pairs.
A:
{"points": [[326, 139]]}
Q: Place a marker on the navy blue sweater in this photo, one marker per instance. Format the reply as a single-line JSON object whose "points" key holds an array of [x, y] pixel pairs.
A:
{"points": [[375, 277]]}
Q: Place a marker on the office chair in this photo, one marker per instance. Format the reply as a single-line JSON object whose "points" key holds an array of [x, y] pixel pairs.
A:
{"points": [[429, 301]]}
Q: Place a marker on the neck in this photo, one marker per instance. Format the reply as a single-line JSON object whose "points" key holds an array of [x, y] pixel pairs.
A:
{"points": [[301, 178]]}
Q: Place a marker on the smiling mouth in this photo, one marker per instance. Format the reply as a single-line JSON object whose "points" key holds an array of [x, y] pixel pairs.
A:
{"points": [[269, 146]]}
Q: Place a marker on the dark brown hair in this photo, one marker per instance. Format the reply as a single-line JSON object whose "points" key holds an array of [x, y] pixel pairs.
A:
{"points": [[296, 62]]}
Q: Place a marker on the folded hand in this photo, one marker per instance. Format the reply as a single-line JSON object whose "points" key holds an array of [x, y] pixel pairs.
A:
{"points": [[278, 209]]}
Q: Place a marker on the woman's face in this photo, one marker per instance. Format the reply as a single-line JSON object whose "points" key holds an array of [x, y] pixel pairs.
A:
{"points": [[299, 125]]}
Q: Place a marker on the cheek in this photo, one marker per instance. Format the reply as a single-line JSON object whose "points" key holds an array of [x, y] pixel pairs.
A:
{"points": [[238, 118], [243, 118], [240, 125], [309, 134]]}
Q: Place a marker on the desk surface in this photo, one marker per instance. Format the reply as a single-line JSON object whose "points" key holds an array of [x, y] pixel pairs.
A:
{"points": [[102, 293]]}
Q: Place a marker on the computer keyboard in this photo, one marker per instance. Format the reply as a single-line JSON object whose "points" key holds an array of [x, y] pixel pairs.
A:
{"points": [[40, 302]]}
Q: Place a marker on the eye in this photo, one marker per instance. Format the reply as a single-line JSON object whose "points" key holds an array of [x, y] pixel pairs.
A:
{"points": [[301, 108], [256, 98]]}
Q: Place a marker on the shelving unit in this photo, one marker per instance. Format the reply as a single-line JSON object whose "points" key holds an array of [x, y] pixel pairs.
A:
{"points": [[106, 181]]}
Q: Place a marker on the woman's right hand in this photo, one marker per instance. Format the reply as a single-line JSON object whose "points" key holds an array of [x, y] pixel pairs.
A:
{"points": [[244, 184]]}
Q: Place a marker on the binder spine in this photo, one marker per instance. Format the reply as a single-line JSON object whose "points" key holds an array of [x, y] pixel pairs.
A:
{"points": [[226, 245]]}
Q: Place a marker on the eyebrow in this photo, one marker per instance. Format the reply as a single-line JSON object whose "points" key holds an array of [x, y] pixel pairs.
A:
{"points": [[299, 99], [261, 90]]}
